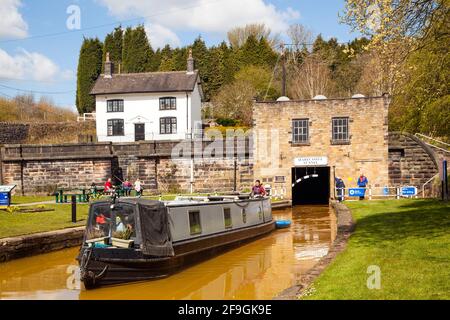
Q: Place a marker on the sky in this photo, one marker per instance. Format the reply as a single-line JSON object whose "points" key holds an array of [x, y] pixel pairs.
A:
{"points": [[40, 39]]}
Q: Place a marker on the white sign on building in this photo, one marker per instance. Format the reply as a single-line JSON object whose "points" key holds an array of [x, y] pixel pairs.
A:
{"points": [[310, 161]]}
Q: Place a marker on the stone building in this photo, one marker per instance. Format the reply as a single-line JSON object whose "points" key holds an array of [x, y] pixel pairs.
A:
{"points": [[300, 146]]}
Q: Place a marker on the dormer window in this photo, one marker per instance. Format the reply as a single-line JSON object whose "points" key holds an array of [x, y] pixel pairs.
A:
{"points": [[114, 105], [168, 103]]}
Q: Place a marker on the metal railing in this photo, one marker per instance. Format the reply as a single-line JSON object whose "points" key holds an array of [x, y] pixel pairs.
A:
{"points": [[377, 192], [443, 145], [427, 182]]}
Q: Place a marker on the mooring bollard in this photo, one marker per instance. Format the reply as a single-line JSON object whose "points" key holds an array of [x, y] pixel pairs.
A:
{"points": [[74, 209]]}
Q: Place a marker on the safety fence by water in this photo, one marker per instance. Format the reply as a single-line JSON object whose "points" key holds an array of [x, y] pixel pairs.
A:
{"points": [[373, 193]]}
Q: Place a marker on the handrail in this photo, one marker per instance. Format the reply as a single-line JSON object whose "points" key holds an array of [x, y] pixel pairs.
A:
{"points": [[427, 182], [422, 136]]}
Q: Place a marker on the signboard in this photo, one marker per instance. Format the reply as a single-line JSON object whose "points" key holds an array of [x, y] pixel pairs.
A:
{"points": [[356, 192], [5, 199], [310, 161], [408, 191], [5, 194]]}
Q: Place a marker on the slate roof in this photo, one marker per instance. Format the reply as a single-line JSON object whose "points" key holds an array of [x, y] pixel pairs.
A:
{"points": [[173, 81]]}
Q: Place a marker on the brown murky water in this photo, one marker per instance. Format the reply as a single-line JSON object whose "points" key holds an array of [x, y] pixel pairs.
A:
{"points": [[258, 270]]}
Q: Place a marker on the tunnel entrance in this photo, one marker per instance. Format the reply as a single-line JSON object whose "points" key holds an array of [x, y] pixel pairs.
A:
{"points": [[310, 185]]}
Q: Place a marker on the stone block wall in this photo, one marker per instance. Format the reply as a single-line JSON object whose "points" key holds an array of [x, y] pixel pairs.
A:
{"points": [[411, 162], [44, 168], [366, 151]]}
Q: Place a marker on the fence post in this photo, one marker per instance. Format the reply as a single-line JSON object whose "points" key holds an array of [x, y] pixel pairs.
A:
{"points": [[370, 193], [74, 209], [398, 193]]}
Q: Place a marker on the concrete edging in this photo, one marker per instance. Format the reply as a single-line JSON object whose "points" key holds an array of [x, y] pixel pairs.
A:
{"points": [[37, 243], [345, 227]]}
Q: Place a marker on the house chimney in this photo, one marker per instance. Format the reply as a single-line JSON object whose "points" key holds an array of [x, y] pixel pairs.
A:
{"points": [[190, 63], [109, 67]]}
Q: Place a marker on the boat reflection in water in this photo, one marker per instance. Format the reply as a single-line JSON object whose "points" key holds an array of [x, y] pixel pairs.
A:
{"points": [[257, 270]]}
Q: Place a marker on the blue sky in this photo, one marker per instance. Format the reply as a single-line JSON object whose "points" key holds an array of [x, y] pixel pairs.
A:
{"points": [[39, 53]]}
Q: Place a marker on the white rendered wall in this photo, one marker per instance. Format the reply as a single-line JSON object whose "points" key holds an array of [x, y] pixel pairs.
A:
{"points": [[144, 108]]}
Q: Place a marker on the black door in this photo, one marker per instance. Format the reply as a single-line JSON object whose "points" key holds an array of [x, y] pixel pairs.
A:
{"points": [[310, 185], [139, 131]]}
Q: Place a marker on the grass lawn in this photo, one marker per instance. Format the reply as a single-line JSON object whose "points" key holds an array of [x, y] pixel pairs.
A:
{"points": [[408, 239], [16, 199], [14, 224]]}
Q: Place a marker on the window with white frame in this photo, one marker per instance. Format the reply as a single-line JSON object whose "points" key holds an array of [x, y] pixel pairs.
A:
{"points": [[114, 105], [115, 127], [168, 125], [300, 131], [340, 130], [168, 103]]}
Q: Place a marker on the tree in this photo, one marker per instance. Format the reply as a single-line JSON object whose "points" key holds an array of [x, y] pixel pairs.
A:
{"points": [[238, 36], [386, 20], [300, 36], [409, 47], [167, 63], [137, 52], [260, 78], [421, 96], [89, 68], [200, 53], [235, 101], [257, 52], [113, 44], [311, 78]]}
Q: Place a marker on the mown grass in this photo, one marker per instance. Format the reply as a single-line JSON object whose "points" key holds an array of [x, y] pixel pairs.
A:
{"points": [[409, 240], [15, 199], [15, 224]]}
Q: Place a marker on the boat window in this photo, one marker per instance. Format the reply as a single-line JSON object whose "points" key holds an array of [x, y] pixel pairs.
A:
{"points": [[244, 216], [227, 217], [118, 222], [124, 226], [194, 222]]}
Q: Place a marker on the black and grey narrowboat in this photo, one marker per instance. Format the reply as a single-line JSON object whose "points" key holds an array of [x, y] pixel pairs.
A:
{"points": [[130, 240]]}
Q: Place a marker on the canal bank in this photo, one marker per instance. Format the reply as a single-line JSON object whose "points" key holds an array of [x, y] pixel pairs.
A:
{"points": [[258, 270], [345, 227]]}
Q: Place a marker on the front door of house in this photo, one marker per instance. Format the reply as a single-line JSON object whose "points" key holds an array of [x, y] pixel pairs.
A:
{"points": [[139, 131]]}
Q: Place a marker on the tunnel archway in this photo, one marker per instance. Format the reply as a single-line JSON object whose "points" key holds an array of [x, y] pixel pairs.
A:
{"points": [[310, 185]]}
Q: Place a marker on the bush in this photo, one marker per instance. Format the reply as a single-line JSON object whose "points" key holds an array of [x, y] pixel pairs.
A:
{"points": [[226, 122]]}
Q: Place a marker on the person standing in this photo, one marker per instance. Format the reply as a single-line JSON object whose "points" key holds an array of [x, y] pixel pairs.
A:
{"points": [[138, 188], [362, 183], [108, 186], [340, 186], [127, 186]]}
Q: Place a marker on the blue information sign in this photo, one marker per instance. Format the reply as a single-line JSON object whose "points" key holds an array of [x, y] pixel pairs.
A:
{"points": [[409, 191], [356, 192], [5, 199]]}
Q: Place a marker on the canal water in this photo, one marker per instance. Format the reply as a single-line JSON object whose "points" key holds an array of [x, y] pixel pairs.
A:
{"points": [[257, 270]]}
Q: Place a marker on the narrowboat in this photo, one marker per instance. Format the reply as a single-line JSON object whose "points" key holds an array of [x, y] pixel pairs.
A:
{"points": [[129, 240]]}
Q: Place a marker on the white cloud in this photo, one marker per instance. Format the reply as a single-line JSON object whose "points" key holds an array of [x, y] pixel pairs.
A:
{"points": [[12, 24], [201, 15], [30, 65], [160, 36]]}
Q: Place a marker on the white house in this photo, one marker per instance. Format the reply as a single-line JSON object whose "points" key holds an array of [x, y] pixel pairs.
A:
{"points": [[147, 106]]}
